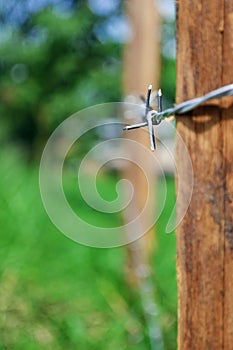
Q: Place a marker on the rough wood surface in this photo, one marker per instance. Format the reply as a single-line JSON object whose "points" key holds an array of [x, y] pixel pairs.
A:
{"points": [[205, 237], [228, 166]]}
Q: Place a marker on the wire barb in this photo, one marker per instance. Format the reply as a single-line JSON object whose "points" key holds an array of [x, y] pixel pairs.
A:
{"points": [[135, 126], [189, 105], [160, 108], [149, 119], [155, 117]]}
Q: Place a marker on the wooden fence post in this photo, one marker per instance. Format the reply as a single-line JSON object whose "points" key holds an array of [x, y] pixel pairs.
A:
{"points": [[205, 236]]}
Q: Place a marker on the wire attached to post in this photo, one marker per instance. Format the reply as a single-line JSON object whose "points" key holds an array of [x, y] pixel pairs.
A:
{"points": [[155, 117]]}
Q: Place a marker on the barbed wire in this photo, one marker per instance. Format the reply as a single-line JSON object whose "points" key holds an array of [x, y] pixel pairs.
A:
{"points": [[189, 105], [155, 117]]}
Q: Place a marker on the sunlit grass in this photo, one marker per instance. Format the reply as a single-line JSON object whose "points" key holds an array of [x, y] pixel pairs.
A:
{"points": [[57, 294]]}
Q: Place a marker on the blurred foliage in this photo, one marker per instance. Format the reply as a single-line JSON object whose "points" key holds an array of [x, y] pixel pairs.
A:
{"points": [[57, 57], [56, 294], [52, 64], [168, 62]]}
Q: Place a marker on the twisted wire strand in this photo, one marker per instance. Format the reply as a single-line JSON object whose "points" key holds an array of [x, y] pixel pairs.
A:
{"points": [[192, 104]]}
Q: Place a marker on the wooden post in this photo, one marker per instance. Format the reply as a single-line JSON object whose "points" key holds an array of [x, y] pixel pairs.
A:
{"points": [[205, 237], [141, 67]]}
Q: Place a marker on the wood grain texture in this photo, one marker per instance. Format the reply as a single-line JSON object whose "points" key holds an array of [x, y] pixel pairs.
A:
{"points": [[228, 168], [205, 237]]}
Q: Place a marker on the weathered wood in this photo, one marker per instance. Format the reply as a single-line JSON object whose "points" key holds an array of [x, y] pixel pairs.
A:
{"points": [[205, 237], [228, 167]]}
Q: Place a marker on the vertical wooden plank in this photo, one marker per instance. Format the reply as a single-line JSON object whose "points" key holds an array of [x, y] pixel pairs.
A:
{"points": [[228, 165], [204, 238]]}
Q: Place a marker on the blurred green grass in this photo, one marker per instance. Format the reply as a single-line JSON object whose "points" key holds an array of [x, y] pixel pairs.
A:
{"points": [[56, 294]]}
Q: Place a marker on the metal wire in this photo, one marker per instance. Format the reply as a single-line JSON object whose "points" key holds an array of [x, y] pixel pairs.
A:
{"points": [[192, 104], [155, 117]]}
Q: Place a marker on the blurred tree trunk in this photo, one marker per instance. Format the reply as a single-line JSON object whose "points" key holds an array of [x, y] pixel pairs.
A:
{"points": [[205, 237], [141, 67]]}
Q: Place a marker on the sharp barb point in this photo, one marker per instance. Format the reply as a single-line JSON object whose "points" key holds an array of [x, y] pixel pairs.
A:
{"points": [[155, 118]]}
